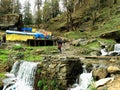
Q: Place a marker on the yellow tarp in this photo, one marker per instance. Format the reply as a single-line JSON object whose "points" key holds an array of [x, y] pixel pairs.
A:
{"points": [[16, 37], [34, 30]]}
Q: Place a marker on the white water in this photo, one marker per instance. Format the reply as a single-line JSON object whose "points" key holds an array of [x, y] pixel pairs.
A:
{"points": [[25, 75], [85, 79]]}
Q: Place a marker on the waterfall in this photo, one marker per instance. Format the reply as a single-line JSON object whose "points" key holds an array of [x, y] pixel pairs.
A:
{"points": [[24, 76], [83, 82], [15, 67]]}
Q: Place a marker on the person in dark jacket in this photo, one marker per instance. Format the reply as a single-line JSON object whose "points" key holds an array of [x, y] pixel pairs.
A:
{"points": [[59, 44], [4, 38]]}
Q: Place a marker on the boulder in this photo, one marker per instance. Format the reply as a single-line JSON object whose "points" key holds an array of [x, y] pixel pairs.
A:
{"points": [[75, 42], [39, 51], [113, 69], [99, 73]]}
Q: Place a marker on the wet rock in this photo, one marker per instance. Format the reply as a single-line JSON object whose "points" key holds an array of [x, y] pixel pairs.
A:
{"points": [[89, 67], [100, 73], [1, 85]]}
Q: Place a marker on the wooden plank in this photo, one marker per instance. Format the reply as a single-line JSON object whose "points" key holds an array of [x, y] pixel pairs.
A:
{"points": [[101, 57]]}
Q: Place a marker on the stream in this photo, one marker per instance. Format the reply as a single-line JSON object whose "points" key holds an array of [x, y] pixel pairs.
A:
{"points": [[21, 76]]}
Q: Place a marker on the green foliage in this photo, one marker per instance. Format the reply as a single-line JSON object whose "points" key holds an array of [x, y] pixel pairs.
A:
{"points": [[92, 88], [45, 87], [48, 84], [2, 75], [102, 1], [55, 8], [33, 57], [75, 35], [27, 14], [20, 55], [6, 52], [4, 55], [39, 71], [9, 6], [17, 47], [46, 11], [40, 84], [93, 45], [3, 58], [53, 83]]}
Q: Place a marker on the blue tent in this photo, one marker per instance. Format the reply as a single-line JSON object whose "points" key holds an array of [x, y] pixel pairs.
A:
{"points": [[39, 35], [26, 29]]}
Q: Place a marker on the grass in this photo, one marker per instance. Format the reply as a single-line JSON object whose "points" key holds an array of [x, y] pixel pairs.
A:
{"points": [[4, 55], [75, 35], [93, 45], [35, 53], [29, 53]]}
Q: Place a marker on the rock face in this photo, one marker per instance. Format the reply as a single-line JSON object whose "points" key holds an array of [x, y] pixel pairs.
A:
{"points": [[11, 21], [62, 71]]}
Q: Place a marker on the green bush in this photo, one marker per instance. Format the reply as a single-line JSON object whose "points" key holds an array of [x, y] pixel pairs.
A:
{"points": [[45, 87], [40, 84]]}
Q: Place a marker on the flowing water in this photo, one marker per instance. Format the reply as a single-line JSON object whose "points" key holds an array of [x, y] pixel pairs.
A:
{"points": [[83, 82], [24, 73]]}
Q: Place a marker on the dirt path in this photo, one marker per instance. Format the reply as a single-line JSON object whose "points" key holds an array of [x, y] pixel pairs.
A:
{"points": [[67, 50]]}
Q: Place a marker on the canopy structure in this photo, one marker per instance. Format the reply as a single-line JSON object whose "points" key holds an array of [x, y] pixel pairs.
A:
{"points": [[18, 37], [24, 36]]}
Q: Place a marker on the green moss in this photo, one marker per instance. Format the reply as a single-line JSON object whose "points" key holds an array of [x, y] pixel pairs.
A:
{"points": [[2, 75]]}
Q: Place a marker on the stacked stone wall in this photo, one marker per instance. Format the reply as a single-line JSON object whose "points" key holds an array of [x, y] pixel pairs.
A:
{"points": [[63, 71]]}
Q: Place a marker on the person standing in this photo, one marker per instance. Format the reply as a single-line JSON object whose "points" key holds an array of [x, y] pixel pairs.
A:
{"points": [[59, 45], [3, 38]]}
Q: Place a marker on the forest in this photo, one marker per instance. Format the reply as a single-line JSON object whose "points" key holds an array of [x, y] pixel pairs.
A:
{"points": [[66, 10]]}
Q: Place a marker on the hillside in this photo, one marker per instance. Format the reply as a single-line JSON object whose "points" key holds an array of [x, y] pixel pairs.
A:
{"points": [[89, 22]]}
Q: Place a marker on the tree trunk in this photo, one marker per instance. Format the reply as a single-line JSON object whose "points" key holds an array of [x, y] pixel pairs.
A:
{"points": [[115, 1]]}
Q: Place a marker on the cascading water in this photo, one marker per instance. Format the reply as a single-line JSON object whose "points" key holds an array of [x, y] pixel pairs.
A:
{"points": [[24, 76], [84, 80]]}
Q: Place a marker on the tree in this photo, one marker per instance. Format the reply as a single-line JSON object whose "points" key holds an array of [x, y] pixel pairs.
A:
{"points": [[38, 19], [5, 6], [115, 1], [47, 11], [55, 8], [69, 5], [17, 7], [10, 6], [27, 14]]}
